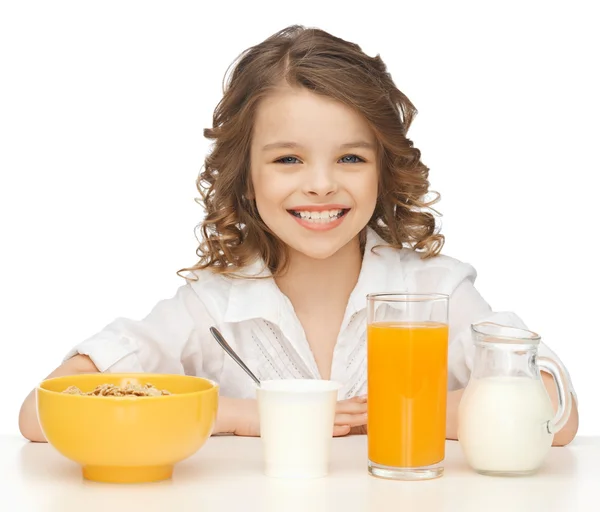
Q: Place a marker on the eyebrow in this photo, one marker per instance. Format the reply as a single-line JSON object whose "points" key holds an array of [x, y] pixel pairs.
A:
{"points": [[348, 145]]}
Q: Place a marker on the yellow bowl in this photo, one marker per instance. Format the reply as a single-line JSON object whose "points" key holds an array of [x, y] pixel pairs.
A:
{"points": [[127, 439]]}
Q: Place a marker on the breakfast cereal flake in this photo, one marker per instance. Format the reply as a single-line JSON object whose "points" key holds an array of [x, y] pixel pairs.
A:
{"points": [[113, 390]]}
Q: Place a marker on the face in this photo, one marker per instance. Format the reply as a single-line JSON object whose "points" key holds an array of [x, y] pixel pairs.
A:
{"points": [[313, 171]]}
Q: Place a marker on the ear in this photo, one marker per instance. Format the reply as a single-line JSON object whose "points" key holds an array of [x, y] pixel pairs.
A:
{"points": [[248, 185], [249, 194]]}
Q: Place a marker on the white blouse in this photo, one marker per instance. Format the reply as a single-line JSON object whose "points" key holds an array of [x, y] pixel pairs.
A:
{"points": [[259, 322]]}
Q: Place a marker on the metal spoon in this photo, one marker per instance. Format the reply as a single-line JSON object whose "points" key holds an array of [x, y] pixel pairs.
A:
{"points": [[221, 341]]}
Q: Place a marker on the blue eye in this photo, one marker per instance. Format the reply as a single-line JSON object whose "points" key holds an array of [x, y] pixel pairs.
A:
{"points": [[347, 159], [286, 160], [356, 160]]}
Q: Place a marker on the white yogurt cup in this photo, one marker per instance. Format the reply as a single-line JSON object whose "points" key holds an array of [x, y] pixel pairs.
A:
{"points": [[296, 426]]}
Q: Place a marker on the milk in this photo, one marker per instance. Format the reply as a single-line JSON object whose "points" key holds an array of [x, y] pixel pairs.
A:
{"points": [[502, 424], [296, 426]]}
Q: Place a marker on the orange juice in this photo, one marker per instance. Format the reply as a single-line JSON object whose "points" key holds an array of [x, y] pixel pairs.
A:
{"points": [[407, 366]]}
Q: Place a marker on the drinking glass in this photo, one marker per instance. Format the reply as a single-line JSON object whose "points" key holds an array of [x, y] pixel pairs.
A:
{"points": [[407, 365]]}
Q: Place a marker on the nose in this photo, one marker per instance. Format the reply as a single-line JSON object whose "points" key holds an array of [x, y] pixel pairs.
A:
{"points": [[320, 182]]}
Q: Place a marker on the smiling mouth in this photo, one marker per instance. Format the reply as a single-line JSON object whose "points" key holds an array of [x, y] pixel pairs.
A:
{"points": [[321, 217]]}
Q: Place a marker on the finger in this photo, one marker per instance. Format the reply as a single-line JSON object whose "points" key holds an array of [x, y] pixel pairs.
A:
{"points": [[341, 430], [360, 430], [353, 420], [351, 407], [358, 398]]}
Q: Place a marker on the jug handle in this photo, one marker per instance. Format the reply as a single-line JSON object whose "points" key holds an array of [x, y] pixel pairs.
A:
{"points": [[559, 374]]}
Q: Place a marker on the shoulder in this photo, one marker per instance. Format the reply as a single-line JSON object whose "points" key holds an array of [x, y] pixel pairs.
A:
{"points": [[390, 267], [211, 288], [437, 274], [443, 262], [228, 298]]}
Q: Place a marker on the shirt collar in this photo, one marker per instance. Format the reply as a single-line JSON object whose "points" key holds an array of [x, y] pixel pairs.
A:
{"points": [[261, 298], [380, 272]]}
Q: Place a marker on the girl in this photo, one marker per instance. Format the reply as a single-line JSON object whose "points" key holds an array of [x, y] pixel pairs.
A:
{"points": [[314, 198]]}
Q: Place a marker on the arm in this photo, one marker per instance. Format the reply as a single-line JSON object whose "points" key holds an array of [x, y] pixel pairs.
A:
{"points": [[466, 307], [563, 437], [28, 421], [151, 345]]}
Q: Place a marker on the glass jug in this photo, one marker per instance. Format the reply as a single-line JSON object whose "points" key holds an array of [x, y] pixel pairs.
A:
{"points": [[506, 422]]}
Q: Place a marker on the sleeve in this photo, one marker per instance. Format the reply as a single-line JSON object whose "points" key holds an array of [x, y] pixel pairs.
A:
{"points": [[467, 307], [165, 341]]}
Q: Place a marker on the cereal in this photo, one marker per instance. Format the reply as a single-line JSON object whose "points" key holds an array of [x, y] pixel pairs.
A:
{"points": [[113, 390]]}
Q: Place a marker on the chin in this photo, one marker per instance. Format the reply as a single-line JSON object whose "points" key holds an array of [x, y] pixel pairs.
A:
{"points": [[319, 250], [317, 254], [314, 245]]}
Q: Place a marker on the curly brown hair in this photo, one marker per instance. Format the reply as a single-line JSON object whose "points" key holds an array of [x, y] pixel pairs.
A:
{"points": [[233, 234]]}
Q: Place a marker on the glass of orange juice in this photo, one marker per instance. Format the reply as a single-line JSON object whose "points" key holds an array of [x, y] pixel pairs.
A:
{"points": [[407, 373]]}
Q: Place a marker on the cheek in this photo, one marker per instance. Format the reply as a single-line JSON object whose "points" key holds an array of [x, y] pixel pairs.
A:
{"points": [[368, 189], [259, 185], [269, 192], [263, 190]]}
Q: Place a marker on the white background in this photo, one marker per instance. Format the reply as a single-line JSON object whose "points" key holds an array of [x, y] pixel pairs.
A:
{"points": [[102, 107]]}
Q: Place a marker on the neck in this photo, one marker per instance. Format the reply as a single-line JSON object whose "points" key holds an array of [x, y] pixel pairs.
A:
{"points": [[308, 279]]}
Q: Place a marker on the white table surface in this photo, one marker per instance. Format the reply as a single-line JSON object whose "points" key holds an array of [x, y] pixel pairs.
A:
{"points": [[226, 475]]}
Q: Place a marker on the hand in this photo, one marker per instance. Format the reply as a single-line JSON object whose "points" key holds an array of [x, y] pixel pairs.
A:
{"points": [[351, 416], [240, 417], [28, 420], [248, 429], [237, 416]]}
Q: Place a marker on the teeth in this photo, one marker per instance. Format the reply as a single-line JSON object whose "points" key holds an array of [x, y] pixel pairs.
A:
{"points": [[322, 216]]}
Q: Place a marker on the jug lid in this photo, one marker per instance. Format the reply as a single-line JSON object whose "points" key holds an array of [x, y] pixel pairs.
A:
{"points": [[492, 333]]}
